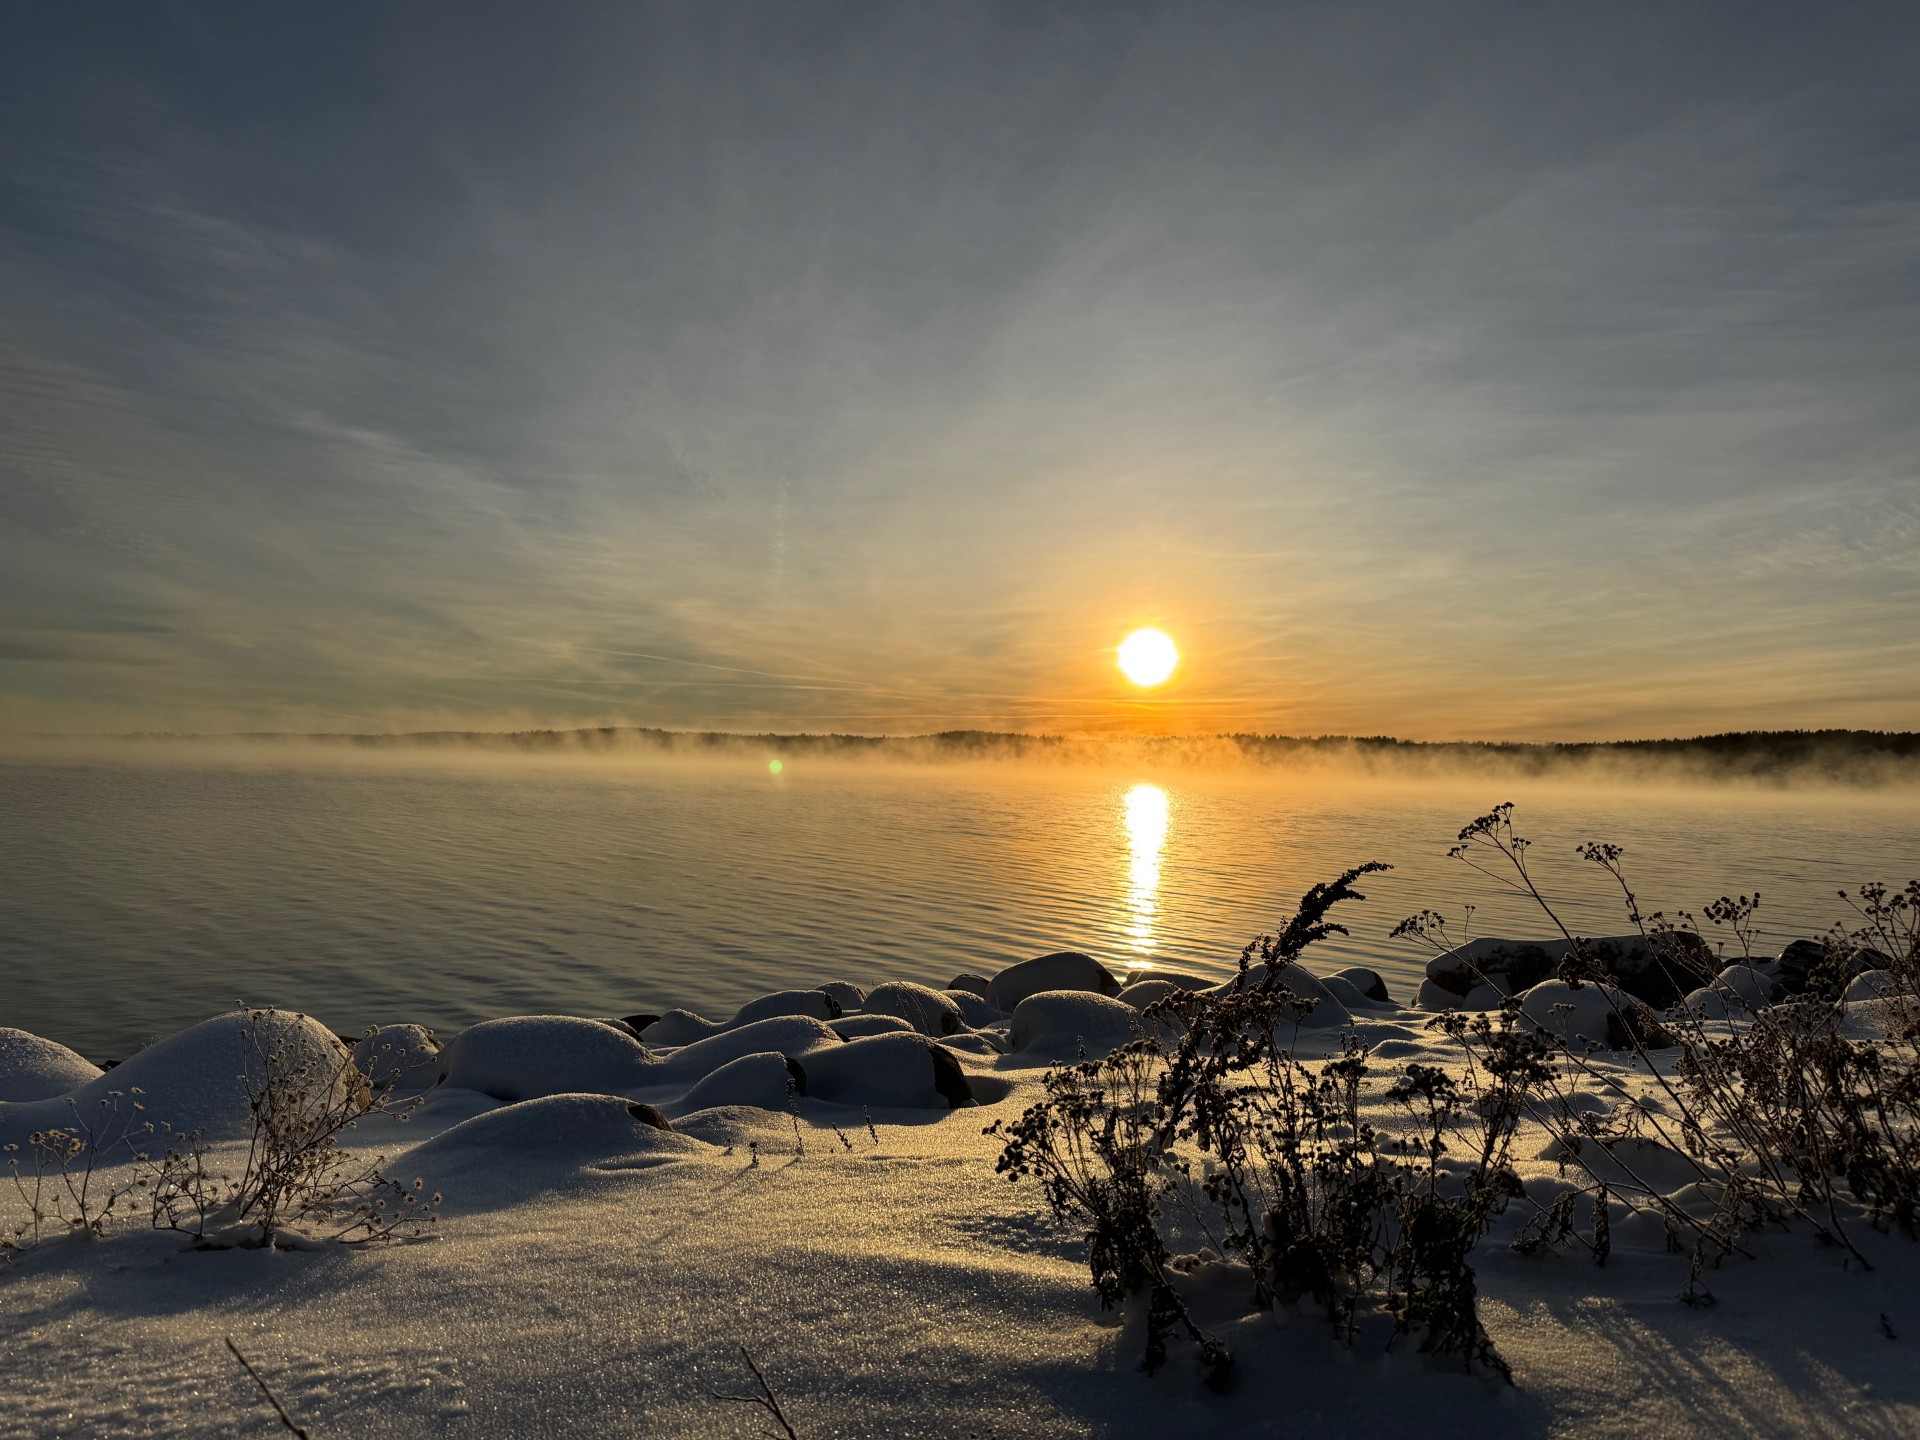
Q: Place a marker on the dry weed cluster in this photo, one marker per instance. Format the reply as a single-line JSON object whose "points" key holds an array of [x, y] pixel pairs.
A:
{"points": [[295, 1183], [1784, 1100]]}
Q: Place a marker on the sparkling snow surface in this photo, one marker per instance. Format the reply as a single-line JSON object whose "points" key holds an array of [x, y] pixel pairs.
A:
{"points": [[594, 1275]]}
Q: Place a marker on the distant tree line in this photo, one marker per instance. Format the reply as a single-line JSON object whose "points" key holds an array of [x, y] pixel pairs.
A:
{"points": [[1854, 757]]}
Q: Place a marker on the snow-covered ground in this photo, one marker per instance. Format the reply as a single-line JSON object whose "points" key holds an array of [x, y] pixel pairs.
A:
{"points": [[593, 1274]]}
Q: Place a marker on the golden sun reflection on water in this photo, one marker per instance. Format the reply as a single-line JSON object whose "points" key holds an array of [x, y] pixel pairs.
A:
{"points": [[1145, 817]]}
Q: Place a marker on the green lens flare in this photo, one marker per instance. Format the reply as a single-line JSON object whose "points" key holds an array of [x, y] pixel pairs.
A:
{"points": [[774, 767]]}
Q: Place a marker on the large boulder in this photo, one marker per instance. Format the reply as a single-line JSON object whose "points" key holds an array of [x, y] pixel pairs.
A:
{"points": [[1063, 970], [1521, 963], [1799, 960]]}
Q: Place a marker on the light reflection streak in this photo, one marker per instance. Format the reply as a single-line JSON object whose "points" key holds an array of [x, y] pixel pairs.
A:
{"points": [[1145, 816]]}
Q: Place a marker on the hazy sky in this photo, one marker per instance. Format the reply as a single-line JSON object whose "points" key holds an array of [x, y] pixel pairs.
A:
{"points": [[1432, 369]]}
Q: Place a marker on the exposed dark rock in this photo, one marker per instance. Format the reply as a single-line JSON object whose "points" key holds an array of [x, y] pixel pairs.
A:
{"points": [[1819, 967], [796, 1075], [1657, 970], [649, 1115], [1658, 973], [1638, 1024], [948, 1078], [1523, 965]]}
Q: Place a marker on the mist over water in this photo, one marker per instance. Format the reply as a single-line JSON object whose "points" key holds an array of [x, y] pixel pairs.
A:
{"points": [[369, 889]]}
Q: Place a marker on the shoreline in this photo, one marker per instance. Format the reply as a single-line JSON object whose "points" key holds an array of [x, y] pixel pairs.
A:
{"points": [[811, 1178]]}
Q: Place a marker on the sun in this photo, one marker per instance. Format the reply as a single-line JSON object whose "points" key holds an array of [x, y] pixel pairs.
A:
{"points": [[1147, 657]]}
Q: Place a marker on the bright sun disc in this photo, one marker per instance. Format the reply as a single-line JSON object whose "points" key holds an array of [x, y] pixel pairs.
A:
{"points": [[1147, 657]]}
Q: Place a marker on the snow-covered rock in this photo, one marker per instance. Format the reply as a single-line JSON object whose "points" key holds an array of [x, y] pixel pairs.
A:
{"points": [[1345, 992], [35, 1069], [846, 995], [1736, 993], [1065, 1021], [855, 1027], [1745, 986], [1876, 985], [975, 1010], [895, 1072], [1367, 982], [1063, 970], [200, 1079], [766, 1079], [977, 984], [816, 1003], [1877, 1019], [1489, 995], [1708, 1003], [1143, 993], [684, 1027], [399, 1059], [1327, 1010], [1822, 966], [678, 1027], [1627, 1164], [791, 1035], [927, 1010], [527, 1056], [504, 1155], [1558, 1009]]}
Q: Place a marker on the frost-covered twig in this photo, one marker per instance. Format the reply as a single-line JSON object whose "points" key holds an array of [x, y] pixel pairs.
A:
{"points": [[766, 1399], [272, 1399]]}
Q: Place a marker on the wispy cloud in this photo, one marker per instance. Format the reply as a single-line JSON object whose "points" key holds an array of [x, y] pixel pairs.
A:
{"points": [[1498, 373]]}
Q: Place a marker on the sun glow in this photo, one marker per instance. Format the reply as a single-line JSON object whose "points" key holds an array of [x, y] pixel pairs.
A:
{"points": [[1147, 657]]}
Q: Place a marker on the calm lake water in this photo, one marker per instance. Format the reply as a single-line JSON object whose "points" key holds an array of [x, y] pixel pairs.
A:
{"points": [[138, 898]]}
